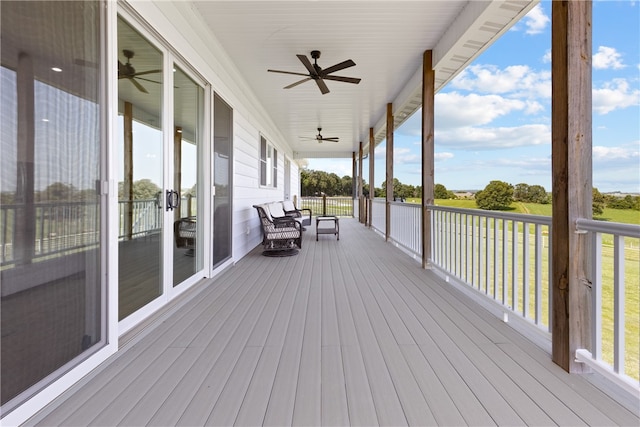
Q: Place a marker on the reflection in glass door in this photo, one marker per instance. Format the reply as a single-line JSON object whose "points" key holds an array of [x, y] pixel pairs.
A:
{"points": [[141, 200], [188, 101]]}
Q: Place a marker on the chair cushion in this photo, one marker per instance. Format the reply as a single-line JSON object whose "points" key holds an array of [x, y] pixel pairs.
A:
{"points": [[276, 210], [288, 205], [265, 208]]}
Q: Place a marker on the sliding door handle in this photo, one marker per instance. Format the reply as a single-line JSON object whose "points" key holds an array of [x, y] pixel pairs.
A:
{"points": [[173, 199]]}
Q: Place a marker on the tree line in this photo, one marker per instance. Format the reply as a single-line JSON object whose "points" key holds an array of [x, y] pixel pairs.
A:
{"points": [[497, 195]]}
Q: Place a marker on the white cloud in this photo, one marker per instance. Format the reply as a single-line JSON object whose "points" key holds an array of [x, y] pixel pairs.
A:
{"points": [[454, 109], [518, 80], [380, 151], [617, 168], [439, 157], [536, 21], [614, 95], [616, 156], [475, 138], [406, 155], [607, 58]]}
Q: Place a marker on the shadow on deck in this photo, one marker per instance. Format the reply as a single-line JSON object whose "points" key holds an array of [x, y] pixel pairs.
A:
{"points": [[348, 332]]}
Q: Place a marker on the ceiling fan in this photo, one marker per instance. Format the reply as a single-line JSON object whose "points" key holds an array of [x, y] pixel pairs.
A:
{"points": [[321, 138], [126, 71], [318, 74]]}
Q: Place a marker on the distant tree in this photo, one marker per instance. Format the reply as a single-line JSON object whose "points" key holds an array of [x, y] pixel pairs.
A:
{"points": [[626, 202], [346, 186], [441, 192], [597, 202], [538, 194], [497, 195], [418, 192], [143, 189], [314, 182], [530, 194], [57, 191], [521, 192]]}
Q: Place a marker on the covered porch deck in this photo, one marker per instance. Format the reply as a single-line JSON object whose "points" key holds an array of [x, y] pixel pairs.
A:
{"points": [[348, 332]]}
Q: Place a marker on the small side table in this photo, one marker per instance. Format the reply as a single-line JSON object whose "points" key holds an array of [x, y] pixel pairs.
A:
{"points": [[334, 227]]}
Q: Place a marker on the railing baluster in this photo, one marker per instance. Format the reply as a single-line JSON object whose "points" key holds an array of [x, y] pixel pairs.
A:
{"points": [[487, 254], [525, 270], [538, 273], [495, 257], [514, 266], [596, 296], [618, 301], [505, 272]]}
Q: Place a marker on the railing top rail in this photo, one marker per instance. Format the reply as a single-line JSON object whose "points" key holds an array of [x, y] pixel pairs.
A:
{"points": [[407, 205], [627, 230], [530, 219], [50, 204]]}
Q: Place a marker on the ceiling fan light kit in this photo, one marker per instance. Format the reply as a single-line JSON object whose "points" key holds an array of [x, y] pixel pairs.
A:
{"points": [[319, 75], [320, 139]]}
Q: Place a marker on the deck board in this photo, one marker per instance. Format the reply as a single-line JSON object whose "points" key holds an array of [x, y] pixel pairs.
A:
{"points": [[348, 332]]}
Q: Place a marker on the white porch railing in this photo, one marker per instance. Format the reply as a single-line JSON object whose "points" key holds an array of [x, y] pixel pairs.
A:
{"points": [[615, 290], [378, 214], [507, 257], [406, 226]]}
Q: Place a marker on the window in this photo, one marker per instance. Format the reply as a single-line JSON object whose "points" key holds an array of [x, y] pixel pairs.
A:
{"points": [[268, 164]]}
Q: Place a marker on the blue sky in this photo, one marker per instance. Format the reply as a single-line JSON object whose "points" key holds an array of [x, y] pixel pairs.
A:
{"points": [[493, 121]]}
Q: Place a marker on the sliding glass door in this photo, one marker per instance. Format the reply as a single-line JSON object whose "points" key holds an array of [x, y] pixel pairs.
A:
{"points": [[188, 101], [52, 137], [141, 154], [160, 153]]}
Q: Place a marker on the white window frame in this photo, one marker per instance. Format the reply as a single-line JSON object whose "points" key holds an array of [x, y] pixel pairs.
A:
{"points": [[268, 164]]}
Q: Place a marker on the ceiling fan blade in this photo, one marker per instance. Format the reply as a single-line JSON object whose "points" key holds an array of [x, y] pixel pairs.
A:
{"points": [[84, 63], [287, 72], [332, 139], [147, 80], [297, 83], [308, 65], [343, 79], [341, 66], [322, 85], [138, 86], [142, 73]]}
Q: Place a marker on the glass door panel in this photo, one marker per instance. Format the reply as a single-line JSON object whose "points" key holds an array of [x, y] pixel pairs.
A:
{"points": [[51, 211], [222, 179], [141, 200], [188, 101]]}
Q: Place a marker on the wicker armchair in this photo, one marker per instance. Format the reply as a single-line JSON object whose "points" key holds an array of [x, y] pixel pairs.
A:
{"points": [[184, 231], [281, 236], [291, 210]]}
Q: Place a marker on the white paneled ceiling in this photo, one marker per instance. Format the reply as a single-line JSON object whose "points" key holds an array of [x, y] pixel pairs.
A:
{"points": [[386, 40]]}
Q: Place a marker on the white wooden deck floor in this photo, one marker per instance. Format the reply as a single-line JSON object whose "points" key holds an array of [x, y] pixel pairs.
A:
{"points": [[349, 332]]}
